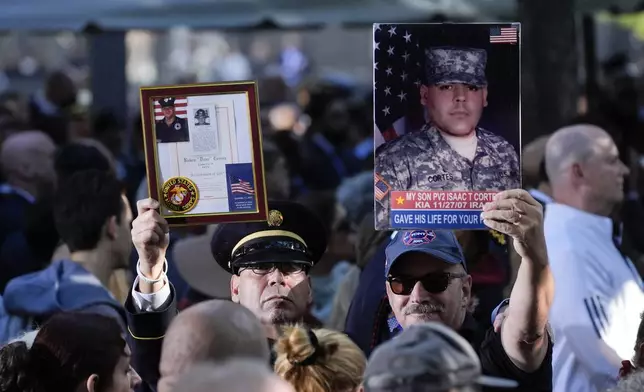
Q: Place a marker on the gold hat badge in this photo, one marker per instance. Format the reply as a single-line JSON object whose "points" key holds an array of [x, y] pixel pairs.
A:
{"points": [[275, 218]]}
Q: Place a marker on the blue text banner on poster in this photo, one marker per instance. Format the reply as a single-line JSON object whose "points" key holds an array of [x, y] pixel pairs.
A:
{"points": [[449, 210], [446, 219], [241, 187]]}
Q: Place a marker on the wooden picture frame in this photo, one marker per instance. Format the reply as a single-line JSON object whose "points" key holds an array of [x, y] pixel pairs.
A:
{"points": [[203, 152]]}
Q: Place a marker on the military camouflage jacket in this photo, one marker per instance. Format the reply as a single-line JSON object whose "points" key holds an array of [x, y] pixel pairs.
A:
{"points": [[424, 161]]}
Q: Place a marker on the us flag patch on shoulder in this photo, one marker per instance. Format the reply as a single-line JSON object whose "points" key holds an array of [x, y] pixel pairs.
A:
{"points": [[381, 188]]}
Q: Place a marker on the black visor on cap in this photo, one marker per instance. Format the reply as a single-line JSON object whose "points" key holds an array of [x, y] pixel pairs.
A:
{"points": [[275, 249]]}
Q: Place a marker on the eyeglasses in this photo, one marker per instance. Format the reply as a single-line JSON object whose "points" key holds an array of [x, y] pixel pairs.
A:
{"points": [[267, 268], [433, 282]]}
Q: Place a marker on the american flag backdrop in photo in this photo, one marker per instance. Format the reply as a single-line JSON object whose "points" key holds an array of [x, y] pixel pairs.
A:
{"points": [[180, 107], [398, 74]]}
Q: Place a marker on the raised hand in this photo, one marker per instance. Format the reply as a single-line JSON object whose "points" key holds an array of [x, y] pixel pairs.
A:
{"points": [[150, 235], [517, 214]]}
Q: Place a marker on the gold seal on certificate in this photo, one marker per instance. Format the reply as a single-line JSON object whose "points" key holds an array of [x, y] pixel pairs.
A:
{"points": [[180, 194]]}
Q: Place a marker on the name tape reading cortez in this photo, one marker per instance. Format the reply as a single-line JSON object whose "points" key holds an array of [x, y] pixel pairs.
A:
{"points": [[180, 194], [438, 209]]}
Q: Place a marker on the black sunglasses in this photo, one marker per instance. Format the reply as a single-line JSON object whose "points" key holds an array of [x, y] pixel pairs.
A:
{"points": [[435, 282]]}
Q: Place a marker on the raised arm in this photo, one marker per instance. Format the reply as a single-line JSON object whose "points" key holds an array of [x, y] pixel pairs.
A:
{"points": [[523, 334], [151, 305]]}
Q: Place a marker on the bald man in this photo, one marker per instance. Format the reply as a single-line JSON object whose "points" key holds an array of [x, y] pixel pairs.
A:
{"points": [[240, 375], [599, 295], [26, 161], [27, 164], [215, 330]]}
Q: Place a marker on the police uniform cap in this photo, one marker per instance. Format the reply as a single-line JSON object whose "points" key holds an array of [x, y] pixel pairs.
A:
{"points": [[449, 64], [166, 102], [292, 234]]}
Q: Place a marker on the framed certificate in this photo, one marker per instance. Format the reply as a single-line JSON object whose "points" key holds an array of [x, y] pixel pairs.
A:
{"points": [[203, 152]]}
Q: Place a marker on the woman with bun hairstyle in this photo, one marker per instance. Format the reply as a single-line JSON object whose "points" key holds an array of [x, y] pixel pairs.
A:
{"points": [[72, 352], [319, 360]]}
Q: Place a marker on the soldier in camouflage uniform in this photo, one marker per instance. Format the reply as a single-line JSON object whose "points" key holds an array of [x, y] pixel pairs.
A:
{"points": [[451, 152]]}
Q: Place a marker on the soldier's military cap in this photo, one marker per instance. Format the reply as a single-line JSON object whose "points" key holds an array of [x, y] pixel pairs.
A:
{"points": [[447, 64], [166, 102], [292, 234]]}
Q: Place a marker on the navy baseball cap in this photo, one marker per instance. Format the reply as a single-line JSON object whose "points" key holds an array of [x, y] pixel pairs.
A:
{"points": [[441, 244]]}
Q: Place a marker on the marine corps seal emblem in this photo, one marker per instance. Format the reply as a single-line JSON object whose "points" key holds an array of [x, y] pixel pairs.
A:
{"points": [[180, 194]]}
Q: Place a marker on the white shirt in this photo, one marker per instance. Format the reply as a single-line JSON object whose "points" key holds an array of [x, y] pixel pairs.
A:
{"points": [[598, 300], [150, 302], [465, 146]]}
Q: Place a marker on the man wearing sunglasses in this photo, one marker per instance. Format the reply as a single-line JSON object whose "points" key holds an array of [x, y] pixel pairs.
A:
{"points": [[427, 280], [269, 262]]}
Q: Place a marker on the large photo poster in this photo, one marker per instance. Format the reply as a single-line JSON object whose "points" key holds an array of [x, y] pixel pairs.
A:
{"points": [[447, 132], [205, 154]]}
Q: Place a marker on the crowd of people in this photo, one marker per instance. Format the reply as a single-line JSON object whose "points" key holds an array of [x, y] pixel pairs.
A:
{"points": [[99, 294]]}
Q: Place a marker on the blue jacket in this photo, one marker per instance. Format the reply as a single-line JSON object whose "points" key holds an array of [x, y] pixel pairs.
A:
{"points": [[63, 286]]}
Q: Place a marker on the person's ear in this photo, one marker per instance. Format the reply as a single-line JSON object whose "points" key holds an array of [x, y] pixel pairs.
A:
{"points": [[485, 96], [112, 228], [424, 94], [467, 290], [91, 383], [577, 171], [234, 288]]}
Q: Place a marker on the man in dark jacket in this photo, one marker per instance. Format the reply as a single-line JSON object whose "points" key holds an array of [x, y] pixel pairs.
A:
{"points": [[269, 262], [427, 280], [26, 159]]}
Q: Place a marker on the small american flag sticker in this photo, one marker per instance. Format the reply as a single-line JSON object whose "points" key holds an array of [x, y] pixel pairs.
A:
{"points": [[381, 188], [242, 187], [503, 35]]}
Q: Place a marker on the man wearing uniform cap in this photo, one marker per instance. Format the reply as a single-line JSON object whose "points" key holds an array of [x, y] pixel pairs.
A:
{"points": [[450, 152], [171, 129], [269, 262], [428, 357], [427, 280]]}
